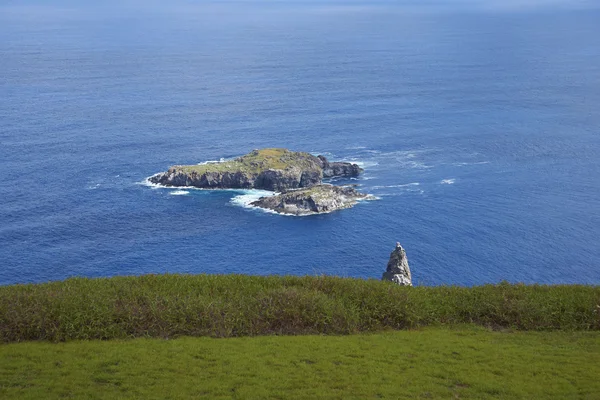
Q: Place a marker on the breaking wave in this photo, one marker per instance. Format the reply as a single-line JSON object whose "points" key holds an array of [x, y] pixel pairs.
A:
{"points": [[248, 196], [397, 186]]}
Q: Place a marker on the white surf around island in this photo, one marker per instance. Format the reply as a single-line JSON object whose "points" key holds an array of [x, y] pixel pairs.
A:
{"points": [[448, 181], [246, 199], [249, 196], [178, 190], [370, 197], [364, 164], [403, 185], [243, 197]]}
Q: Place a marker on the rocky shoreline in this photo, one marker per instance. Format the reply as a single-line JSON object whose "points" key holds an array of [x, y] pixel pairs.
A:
{"points": [[268, 169], [296, 177], [316, 199]]}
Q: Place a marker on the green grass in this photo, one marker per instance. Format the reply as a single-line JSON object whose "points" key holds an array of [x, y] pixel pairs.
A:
{"points": [[169, 306], [463, 362], [256, 162], [227, 166]]}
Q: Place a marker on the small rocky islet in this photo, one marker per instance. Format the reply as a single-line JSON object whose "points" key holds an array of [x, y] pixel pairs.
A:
{"points": [[316, 199], [296, 176]]}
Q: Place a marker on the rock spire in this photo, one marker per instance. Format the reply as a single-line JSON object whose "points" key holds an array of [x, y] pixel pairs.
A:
{"points": [[397, 269]]}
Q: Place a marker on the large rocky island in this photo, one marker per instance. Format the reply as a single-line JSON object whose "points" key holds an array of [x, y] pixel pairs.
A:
{"points": [[267, 169], [298, 176]]}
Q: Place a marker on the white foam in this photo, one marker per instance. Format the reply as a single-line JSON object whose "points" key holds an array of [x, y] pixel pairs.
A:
{"points": [[405, 159], [405, 188], [179, 193], [462, 164], [397, 186], [356, 148], [448, 181], [369, 197], [364, 164], [409, 159], [402, 193], [248, 196], [407, 153], [345, 178], [152, 185], [418, 165], [221, 160], [325, 154]]}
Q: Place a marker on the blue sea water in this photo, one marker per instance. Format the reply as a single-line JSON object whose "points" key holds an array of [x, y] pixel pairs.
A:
{"points": [[477, 123]]}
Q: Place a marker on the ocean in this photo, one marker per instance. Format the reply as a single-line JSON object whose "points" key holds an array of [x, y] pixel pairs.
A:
{"points": [[476, 122]]}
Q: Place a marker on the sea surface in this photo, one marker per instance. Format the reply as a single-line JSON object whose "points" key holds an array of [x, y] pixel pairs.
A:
{"points": [[477, 123]]}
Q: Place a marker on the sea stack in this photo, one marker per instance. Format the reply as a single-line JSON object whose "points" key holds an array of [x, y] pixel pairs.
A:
{"points": [[397, 269]]}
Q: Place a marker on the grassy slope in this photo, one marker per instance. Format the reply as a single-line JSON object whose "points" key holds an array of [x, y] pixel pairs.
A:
{"points": [[240, 305], [461, 362], [255, 162]]}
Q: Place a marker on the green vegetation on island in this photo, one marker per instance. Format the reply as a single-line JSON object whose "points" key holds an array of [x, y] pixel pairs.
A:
{"points": [[269, 169], [168, 306], [257, 161]]}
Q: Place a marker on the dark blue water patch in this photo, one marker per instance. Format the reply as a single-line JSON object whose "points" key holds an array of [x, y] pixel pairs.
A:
{"points": [[477, 130]]}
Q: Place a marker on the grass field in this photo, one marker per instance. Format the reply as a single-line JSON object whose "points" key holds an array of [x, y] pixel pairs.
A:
{"points": [[169, 306], [464, 362]]}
